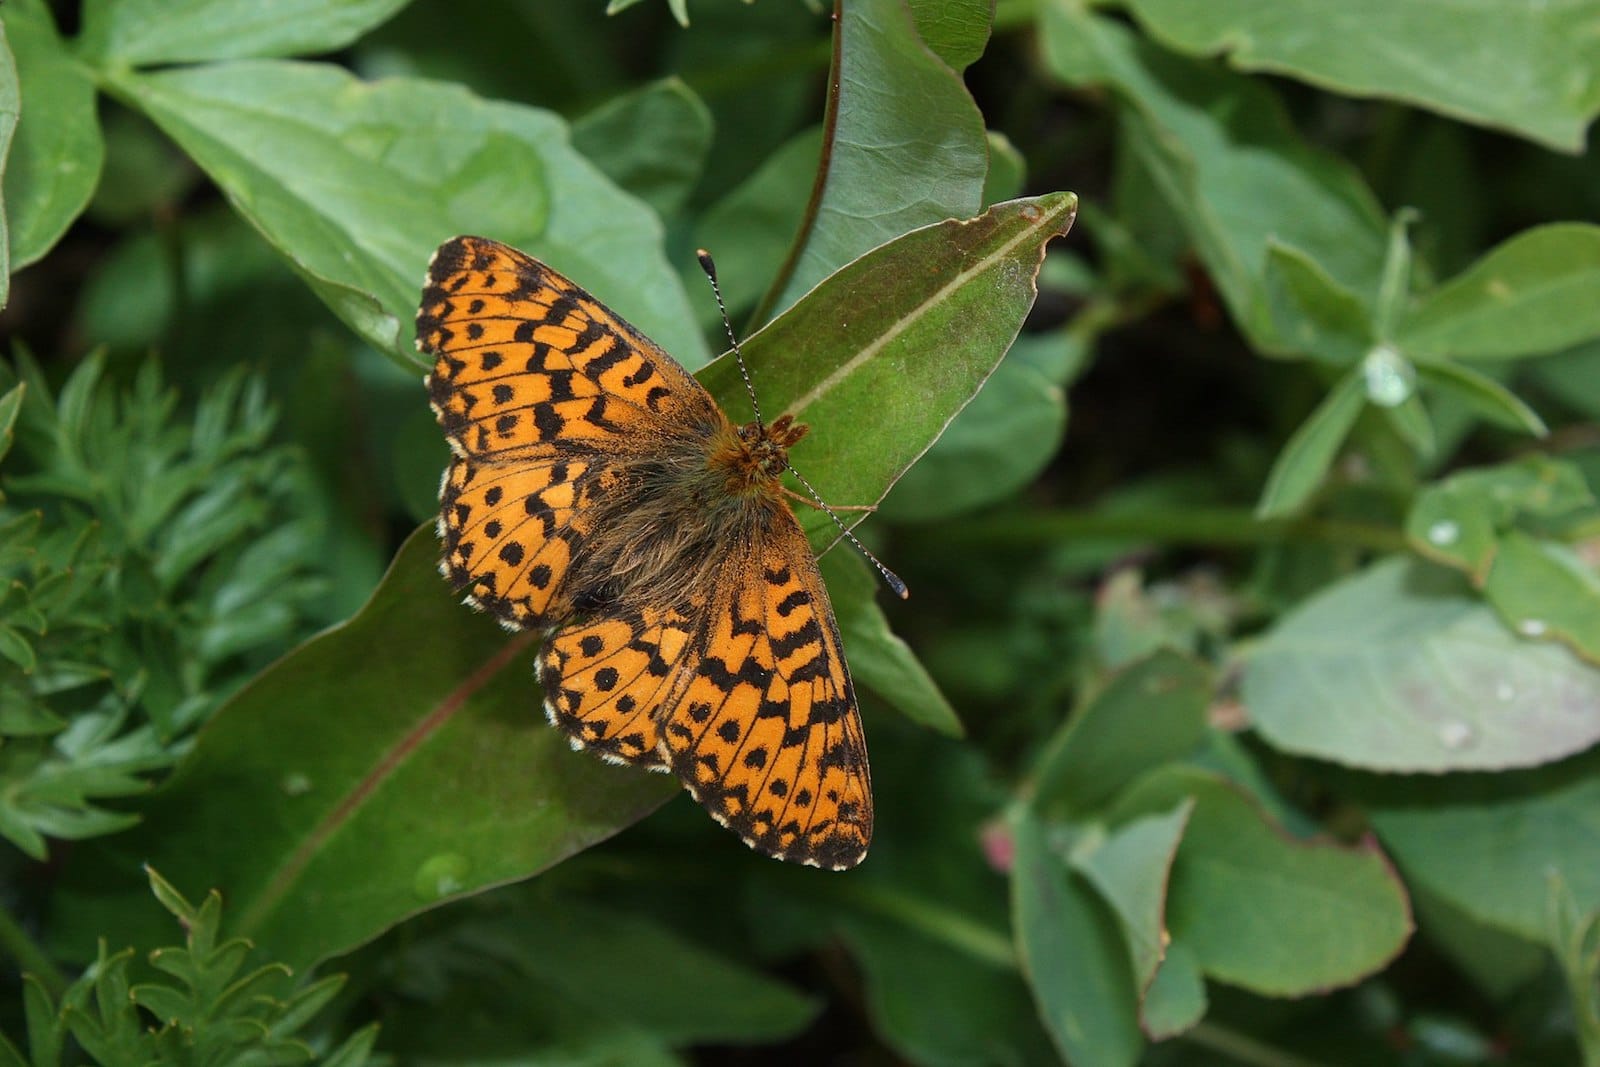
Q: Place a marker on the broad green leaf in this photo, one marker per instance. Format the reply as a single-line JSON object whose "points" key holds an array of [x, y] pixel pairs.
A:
{"points": [[957, 32], [150, 32], [57, 152], [1401, 668], [1458, 521], [1542, 590], [750, 230], [855, 357], [1073, 954], [1312, 313], [999, 443], [1176, 999], [1527, 296], [1573, 375], [1149, 714], [352, 779], [1431, 53], [652, 142], [905, 148], [1129, 867], [10, 107], [1481, 395], [1488, 844], [879, 660], [356, 184], [629, 968], [1008, 170], [1261, 910], [1223, 156], [395, 762], [1499, 962], [10, 405], [1300, 467]]}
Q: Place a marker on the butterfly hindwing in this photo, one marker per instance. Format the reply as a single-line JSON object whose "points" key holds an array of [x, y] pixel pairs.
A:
{"points": [[766, 735], [509, 531], [607, 680]]}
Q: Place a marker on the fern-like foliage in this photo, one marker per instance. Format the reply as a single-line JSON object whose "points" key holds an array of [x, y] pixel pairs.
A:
{"points": [[147, 565], [204, 1014]]}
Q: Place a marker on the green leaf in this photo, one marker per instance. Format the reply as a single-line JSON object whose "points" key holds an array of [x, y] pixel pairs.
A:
{"points": [[356, 184], [1458, 522], [996, 445], [10, 402], [1499, 962], [56, 156], [1432, 54], [1129, 867], [652, 142], [1008, 170], [1261, 910], [1176, 999], [1300, 467], [879, 659], [1224, 158], [1482, 395], [131, 33], [1527, 296], [629, 968], [1151, 713], [957, 31], [1542, 590], [881, 316], [1312, 313], [10, 108], [751, 229], [894, 160], [1488, 844], [1073, 954], [1401, 668]]}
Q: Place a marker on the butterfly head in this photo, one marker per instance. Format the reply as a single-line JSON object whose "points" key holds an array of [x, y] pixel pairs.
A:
{"points": [[766, 447]]}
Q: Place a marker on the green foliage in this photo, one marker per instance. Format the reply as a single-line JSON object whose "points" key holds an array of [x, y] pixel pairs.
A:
{"points": [[200, 1010], [1245, 712], [148, 562]]}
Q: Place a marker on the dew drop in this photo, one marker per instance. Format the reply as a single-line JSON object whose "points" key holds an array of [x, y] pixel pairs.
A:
{"points": [[295, 784], [1532, 627], [1444, 532], [1390, 379], [1456, 735], [440, 875]]}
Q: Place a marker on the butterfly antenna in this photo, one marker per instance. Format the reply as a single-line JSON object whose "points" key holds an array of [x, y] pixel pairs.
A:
{"points": [[890, 578], [711, 272]]}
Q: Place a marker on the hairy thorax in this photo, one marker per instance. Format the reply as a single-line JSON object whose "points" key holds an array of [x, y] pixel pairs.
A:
{"points": [[656, 539]]}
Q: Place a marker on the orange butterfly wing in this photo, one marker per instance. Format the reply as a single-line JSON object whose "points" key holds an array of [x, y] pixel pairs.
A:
{"points": [[539, 388], [766, 734], [606, 681]]}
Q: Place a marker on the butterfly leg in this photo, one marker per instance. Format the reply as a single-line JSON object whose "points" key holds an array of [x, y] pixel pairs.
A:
{"points": [[808, 502]]}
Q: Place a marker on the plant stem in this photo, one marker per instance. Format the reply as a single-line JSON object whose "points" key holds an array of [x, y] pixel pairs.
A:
{"points": [[1199, 526], [31, 959], [1244, 1049]]}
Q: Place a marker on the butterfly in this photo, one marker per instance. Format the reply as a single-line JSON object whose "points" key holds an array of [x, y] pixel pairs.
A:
{"points": [[596, 491]]}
